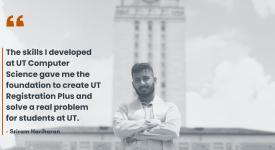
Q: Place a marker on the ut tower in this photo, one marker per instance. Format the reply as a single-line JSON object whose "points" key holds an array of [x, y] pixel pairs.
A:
{"points": [[150, 31]]}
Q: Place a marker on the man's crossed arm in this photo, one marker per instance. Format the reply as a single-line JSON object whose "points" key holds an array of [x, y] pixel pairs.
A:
{"points": [[151, 129]]}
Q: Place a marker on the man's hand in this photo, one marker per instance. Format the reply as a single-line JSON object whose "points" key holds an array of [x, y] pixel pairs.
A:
{"points": [[147, 126], [152, 123], [130, 140]]}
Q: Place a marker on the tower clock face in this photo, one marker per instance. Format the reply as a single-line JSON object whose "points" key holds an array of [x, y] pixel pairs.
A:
{"points": [[150, 1]]}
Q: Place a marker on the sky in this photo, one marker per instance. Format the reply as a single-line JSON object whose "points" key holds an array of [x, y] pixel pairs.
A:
{"points": [[230, 74], [229, 54]]}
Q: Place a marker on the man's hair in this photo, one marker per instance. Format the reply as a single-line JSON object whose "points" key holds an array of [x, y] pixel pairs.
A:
{"points": [[141, 66]]}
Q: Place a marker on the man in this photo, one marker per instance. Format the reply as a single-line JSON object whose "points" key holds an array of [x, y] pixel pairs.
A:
{"points": [[148, 123]]}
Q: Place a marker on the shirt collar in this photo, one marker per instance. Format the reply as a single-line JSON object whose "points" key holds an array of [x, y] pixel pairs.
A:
{"points": [[156, 99]]}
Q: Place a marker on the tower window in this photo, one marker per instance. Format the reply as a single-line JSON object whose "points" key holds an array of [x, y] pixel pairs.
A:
{"points": [[163, 93], [163, 55], [150, 55], [163, 36], [150, 45], [163, 74], [136, 45], [136, 25], [136, 55], [136, 36], [163, 64], [163, 46], [150, 35], [150, 25], [163, 26]]}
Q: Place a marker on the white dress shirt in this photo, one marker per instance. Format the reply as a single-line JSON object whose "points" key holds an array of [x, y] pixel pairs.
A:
{"points": [[128, 124]]}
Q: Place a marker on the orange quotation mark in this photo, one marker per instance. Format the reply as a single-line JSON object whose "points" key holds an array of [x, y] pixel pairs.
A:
{"points": [[19, 21]]}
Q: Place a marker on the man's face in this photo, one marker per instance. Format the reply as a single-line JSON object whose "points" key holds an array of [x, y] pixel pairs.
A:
{"points": [[144, 82]]}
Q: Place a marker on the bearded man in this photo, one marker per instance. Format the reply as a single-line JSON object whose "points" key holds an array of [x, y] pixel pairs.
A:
{"points": [[148, 122]]}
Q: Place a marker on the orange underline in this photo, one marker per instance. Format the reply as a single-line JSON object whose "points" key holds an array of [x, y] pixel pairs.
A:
{"points": [[2, 91]]}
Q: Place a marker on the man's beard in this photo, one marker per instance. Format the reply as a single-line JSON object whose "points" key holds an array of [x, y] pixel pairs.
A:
{"points": [[140, 94]]}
